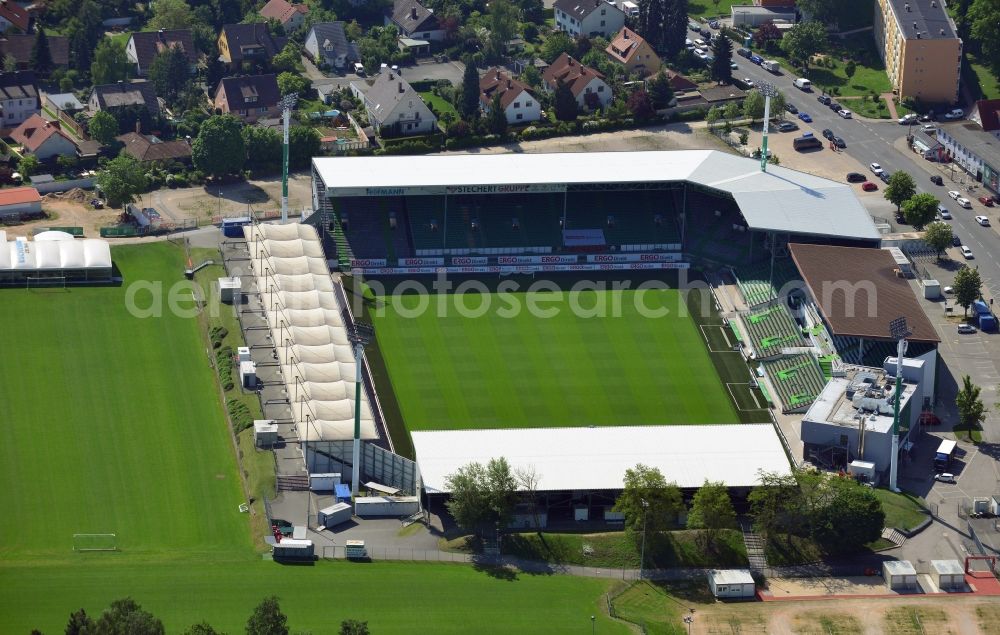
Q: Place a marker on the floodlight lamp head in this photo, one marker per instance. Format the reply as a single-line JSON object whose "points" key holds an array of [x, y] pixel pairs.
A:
{"points": [[362, 333], [898, 329], [288, 101], [766, 89]]}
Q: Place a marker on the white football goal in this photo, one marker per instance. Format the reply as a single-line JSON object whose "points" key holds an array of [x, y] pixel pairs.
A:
{"points": [[95, 542]]}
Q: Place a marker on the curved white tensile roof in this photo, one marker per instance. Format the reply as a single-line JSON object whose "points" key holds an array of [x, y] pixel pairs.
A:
{"points": [[307, 328], [781, 199], [54, 254]]}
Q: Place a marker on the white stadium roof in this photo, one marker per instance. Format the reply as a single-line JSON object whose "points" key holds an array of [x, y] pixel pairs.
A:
{"points": [[58, 251], [779, 200], [596, 458]]}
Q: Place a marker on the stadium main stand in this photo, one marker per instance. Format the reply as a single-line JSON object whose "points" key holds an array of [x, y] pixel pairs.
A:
{"points": [[771, 329], [758, 286], [367, 224], [798, 380], [627, 217]]}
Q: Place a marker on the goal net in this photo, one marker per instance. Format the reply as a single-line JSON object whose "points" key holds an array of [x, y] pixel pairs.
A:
{"points": [[95, 542], [45, 282]]}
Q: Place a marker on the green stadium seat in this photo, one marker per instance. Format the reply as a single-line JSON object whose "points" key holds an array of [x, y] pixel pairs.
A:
{"points": [[798, 380], [771, 329]]}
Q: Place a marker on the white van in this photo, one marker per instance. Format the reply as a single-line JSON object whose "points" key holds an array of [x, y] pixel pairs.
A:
{"points": [[770, 65], [359, 69], [803, 84]]}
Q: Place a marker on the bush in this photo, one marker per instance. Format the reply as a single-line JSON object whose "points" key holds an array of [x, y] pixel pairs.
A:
{"points": [[472, 141], [224, 365], [239, 414], [407, 147], [697, 114], [217, 335], [538, 132]]}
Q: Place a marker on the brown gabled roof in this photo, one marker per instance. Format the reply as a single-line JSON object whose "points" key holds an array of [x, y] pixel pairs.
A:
{"points": [[858, 292], [625, 45], [989, 114], [679, 82], [148, 44], [15, 14], [35, 131], [19, 47], [569, 71], [150, 148], [253, 91], [282, 11], [495, 81]]}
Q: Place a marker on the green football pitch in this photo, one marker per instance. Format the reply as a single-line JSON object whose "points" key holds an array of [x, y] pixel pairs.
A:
{"points": [[112, 423], [475, 368]]}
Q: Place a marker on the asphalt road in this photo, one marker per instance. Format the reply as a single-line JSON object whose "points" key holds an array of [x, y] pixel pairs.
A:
{"points": [[883, 142]]}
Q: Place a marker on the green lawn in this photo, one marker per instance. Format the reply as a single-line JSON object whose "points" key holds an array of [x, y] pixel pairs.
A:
{"points": [[392, 597], [659, 608], [983, 83], [903, 511], [112, 422], [512, 369], [711, 8], [440, 104]]}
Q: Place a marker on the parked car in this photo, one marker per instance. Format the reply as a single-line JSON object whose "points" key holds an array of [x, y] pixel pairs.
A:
{"points": [[945, 477], [868, 186], [791, 109], [845, 114], [733, 65], [699, 43], [966, 328], [839, 142], [901, 218], [756, 59], [956, 241], [954, 194], [714, 24], [943, 212], [804, 116], [834, 106], [956, 113], [907, 119], [742, 52], [930, 116], [966, 252], [787, 126], [983, 220], [876, 168], [856, 177], [97, 203], [824, 99], [928, 128], [885, 176], [937, 180], [949, 290], [964, 202], [828, 134], [986, 200], [748, 82]]}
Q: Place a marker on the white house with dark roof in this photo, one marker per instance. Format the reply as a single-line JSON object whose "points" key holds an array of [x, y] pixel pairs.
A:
{"points": [[327, 44], [143, 47], [415, 21], [586, 84], [395, 109], [122, 95], [18, 97], [588, 18]]}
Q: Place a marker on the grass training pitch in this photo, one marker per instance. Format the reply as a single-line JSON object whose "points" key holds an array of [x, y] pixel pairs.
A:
{"points": [[112, 422], [455, 371]]}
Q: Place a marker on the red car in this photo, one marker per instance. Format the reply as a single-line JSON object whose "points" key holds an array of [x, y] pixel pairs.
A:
{"points": [[986, 200], [868, 186]]}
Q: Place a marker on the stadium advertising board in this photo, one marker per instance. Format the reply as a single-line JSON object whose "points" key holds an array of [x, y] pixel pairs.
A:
{"points": [[469, 261], [420, 262], [507, 269], [361, 263], [536, 260], [518, 188], [438, 190], [607, 258]]}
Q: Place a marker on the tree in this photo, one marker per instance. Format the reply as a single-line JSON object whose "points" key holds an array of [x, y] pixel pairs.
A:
{"points": [[531, 76], [984, 15], [660, 91], [527, 483], [722, 72], [303, 144], [675, 21], [110, 64], [805, 39], [496, 118], [203, 628], [712, 510], [744, 137], [766, 35], [850, 517], [501, 20], [79, 623], [772, 503], [469, 106], [482, 496], [267, 619], [218, 149], [171, 14], [938, 236], [968, 287], [565, 103], [821, 10], [287, 59], [920, 209], [9, 63], [648, 501], [712, 116], [41, 57], [169, 73], [353, 627], [126, 617], [971, 411], [121, 179], [289, 83], [557, 44], [263, 149], [900, 188], [28, 165], [650, 23], [641, 106], [850, 68], [753, 105], [731, 111]]}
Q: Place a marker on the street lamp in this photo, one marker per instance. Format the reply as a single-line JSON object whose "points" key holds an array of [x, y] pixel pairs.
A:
{"points": [[899, 332], [768, 91], [359, 334], [593, 624], [687, 620], [642, 555]]}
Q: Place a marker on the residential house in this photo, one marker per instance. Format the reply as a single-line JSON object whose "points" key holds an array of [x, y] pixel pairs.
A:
{"points": [[18, 97], [516, 99], [143, 47], [19, 47], [629, 49], [987, 114], [415, 21], [15, 201], [327, 45], [287, 14], [679, 83], [586, 84], [149, 148], [240, 43], [14, 16], [588, 18], [974, 150], [921, 49], [42, 138], [122, 95], [250, 97], [395, 109], [927, 145]]}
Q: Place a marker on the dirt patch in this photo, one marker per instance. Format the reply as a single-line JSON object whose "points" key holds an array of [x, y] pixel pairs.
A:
{"points": [[917, 620], [66, 212]]}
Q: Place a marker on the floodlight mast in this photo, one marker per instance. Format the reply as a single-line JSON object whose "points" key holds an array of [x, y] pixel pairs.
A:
{"points": [[899, 332], [287, 104], [359, 334], [768, 91]]}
